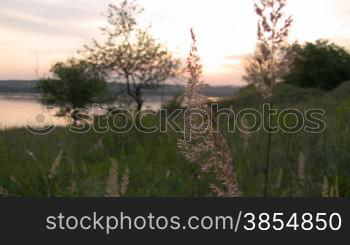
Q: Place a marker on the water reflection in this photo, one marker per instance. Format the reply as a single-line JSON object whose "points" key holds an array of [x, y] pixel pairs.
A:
{"points": [[24, 110], [21, 111]]}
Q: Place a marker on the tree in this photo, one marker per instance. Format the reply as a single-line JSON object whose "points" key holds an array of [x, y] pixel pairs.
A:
{"points": [[74, 85], [322, 65], [130, 54]]}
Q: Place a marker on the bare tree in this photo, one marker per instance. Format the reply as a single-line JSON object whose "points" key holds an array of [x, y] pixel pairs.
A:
{"points": [[130, 54]]}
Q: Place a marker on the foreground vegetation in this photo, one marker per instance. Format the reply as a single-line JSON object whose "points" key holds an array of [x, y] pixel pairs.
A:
{"points": [[295, 164], [302, 164]]}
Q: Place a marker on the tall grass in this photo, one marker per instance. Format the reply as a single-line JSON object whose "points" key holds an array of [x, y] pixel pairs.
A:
{"points": [[68, 165], [156, 167], [299, 161]]}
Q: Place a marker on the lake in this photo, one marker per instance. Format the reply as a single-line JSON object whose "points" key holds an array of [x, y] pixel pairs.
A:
{"points": [[24, 110]]}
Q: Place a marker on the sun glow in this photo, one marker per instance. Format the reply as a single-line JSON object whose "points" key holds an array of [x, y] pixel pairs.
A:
{"points": [[226, 30]]}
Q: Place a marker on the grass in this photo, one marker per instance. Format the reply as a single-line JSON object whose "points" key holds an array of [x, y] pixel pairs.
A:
{"points": [[326, 154], [157, 168]]}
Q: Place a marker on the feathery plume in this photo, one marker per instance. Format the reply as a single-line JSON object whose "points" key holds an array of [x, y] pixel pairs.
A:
{"points": [[205, 147], [73, 188], [3, 191], [41, 168], [272, 57], [97, 146], [125, 182], [336, 187], [301, 170], [84, 168], [334, 190], [279, 178], [55, 165], [325, 188], [32, 155], [112, 189], [14, 180], [116, 187]]}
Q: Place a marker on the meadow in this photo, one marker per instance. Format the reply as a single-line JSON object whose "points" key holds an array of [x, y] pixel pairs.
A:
{"points": [[65, 164]]}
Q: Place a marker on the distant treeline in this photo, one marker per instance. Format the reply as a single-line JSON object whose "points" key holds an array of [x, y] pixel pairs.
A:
{"points": [[17, 86], [23, 86]]}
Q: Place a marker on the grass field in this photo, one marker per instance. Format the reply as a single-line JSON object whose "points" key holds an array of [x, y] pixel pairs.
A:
{"points": [[302, 164]]}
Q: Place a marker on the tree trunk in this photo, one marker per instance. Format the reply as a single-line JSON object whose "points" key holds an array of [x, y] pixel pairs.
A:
{"points": [[138, 98], [139, 104]]}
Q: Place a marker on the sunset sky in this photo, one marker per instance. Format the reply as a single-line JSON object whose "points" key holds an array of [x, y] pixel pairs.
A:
{"points": [[55, 29]]}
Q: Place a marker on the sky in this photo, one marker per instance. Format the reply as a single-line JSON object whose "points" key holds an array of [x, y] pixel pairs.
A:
{"points": [[34, 34]]}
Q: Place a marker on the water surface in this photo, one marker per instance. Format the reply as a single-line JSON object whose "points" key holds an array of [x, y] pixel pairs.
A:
{"points": [[24, 110]]}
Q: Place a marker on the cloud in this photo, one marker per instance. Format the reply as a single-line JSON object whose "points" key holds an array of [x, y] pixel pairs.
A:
{"points": [[56, 9], [54, 19], [225, 29]]}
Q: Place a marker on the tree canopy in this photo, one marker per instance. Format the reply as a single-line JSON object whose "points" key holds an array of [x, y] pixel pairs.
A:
{"points": [[130, 54], [74, 85], [322, 65]]}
